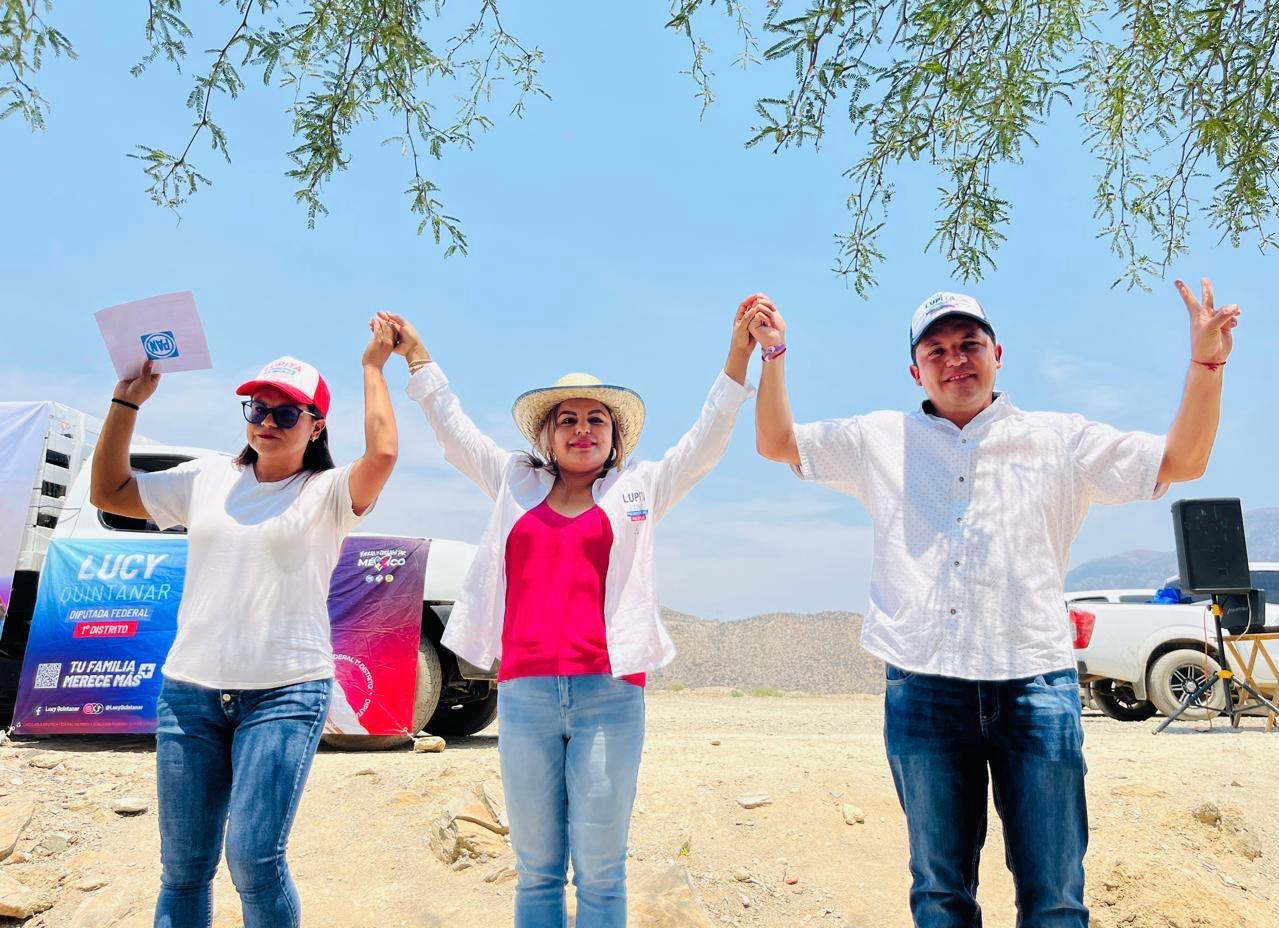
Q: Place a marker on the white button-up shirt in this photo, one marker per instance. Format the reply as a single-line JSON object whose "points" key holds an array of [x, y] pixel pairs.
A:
{"points": [[972, 527]]}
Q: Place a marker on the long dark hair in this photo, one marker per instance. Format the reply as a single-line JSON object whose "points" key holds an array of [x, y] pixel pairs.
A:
{"points": [[315, 458], [541, 457]]}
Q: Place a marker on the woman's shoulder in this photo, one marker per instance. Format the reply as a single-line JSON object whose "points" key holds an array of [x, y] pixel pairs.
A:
{"points": [[329, 477], [210, 465], [524, 470], [628, 474]]}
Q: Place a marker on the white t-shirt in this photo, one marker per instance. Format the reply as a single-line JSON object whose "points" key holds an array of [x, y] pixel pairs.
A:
{"points": [[254, 611]]}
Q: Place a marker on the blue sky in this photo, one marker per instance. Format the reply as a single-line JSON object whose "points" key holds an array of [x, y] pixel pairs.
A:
{"points": [[614, 231]]}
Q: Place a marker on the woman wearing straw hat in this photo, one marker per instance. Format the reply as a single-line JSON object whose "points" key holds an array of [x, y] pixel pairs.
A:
{"points": [[562, 589]]}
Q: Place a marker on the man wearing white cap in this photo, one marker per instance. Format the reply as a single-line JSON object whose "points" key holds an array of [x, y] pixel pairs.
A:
{"points": [[974, 504]]}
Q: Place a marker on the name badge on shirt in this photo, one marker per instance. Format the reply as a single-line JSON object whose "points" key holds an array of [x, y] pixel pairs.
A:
{"points": [[636, 506]]}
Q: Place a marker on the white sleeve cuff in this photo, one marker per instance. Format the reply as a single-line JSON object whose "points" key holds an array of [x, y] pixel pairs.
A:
{"points": [[426, 381], [803, 470], [727, 391]]}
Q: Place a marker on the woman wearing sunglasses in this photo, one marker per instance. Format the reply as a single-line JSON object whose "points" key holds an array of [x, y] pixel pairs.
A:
{"points": [[248, 680], [562, 589]]}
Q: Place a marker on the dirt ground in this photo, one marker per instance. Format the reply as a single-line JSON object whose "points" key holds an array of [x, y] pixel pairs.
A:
{"points": [[1159, 858]]}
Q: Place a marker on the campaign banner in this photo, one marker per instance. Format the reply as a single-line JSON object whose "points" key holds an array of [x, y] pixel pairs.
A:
{"points": [[375, 610], [106, 614], [22, 430]]}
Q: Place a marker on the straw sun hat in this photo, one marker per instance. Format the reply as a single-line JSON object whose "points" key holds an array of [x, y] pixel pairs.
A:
{"points": [[531, 408]]}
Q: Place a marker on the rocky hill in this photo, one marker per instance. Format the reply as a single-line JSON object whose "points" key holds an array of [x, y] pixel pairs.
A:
{"points": [[1145, 570], [819, 653], [1148, 569], [816, 653]]}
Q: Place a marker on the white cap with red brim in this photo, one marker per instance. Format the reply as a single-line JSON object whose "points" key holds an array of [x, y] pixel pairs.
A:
{"points": [[296, 379]]}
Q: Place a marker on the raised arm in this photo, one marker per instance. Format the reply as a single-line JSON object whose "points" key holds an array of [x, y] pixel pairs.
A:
{"points": [[1192, 433], [111, 484], [774, 425], [465, 446], [697, 453], [381, 440]]}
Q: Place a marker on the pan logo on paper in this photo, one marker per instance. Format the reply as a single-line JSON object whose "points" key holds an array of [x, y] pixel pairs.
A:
{"points": [[160, 345]]}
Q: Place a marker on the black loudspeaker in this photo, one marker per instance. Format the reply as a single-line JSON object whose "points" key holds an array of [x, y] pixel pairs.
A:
{"points": [[1212, 555], [1243, 613]]}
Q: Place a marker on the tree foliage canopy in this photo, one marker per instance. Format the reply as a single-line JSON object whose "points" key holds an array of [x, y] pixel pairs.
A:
{"points": [[342, 60], [1179, 101]]}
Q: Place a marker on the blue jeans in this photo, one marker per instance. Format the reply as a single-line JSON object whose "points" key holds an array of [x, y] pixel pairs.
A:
{"points": [[570, 751], [943, 737], [232, 762]]}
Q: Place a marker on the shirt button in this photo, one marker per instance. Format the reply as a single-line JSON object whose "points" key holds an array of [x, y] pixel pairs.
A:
{"points": [[957, 563], [953, 611], [960, 519], [963, 441], [961, 479]]}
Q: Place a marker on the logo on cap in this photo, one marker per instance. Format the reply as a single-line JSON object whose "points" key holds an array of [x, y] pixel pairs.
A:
{"points": [[281, 367], [944, 304]]}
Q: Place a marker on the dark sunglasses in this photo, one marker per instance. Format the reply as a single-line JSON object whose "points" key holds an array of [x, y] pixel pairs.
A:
{"points": [[284, 417]]}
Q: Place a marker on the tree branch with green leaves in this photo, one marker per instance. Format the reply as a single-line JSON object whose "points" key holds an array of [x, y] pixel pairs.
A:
{"points": [[1179, 104], [25, 38], [344, 61]]}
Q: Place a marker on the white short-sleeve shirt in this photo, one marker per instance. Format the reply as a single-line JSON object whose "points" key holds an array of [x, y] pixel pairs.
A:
{"points": [[254, 610], [972, 527]]}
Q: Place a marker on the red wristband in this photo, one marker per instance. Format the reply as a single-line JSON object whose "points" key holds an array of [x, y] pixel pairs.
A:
{"points": [[1211, 365]]}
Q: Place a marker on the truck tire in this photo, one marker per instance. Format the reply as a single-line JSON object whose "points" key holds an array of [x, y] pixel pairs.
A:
{"points": [[1175, 675], [467, 719], [1117, 701], [426, 696]]}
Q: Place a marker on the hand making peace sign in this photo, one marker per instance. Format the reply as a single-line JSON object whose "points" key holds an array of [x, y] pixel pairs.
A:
{"points": [[1210, 328]]}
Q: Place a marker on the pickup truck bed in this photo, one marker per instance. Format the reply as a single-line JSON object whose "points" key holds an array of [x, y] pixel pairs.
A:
{"points": [[1142, 656]]}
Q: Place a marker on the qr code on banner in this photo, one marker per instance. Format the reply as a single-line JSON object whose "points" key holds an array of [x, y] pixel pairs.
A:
{"points": [[47, 676]]}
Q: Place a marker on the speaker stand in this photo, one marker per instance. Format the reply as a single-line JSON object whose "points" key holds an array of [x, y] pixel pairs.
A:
{"points": [[1227, 677]]}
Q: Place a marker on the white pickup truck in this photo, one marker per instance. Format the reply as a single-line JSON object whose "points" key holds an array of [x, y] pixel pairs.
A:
{"points": [[452, 697], [1144, 658]]}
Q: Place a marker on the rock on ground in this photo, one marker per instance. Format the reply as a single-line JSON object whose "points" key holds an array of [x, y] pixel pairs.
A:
{"points": [[467, 831], [15, 816], [663, 896], [18, 900]]}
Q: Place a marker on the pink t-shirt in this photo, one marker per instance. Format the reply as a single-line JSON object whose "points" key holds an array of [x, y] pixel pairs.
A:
{"points": [[555, 571]]}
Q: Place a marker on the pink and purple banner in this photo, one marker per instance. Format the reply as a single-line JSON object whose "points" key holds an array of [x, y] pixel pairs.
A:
{"points": [[375, 609]]}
